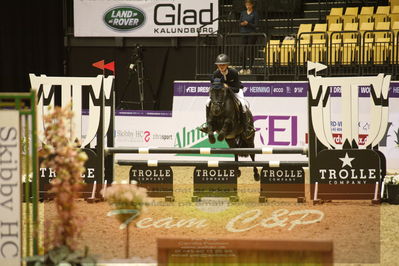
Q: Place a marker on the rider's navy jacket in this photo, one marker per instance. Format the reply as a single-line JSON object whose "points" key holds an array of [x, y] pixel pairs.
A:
{"points": [[231, 79]]}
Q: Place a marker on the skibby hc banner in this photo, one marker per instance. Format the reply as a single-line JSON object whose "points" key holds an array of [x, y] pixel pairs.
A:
{"points": [[144, 18]]}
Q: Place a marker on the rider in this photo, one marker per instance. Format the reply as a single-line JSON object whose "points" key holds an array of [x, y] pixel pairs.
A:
{"points": [[229, 77]]}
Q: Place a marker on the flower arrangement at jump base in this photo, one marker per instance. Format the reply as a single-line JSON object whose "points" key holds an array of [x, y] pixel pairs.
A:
{"points": [[392, 184], [64, 156], [127, 201]]}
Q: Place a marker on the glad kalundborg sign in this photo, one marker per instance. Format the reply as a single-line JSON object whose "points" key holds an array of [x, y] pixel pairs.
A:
{"points": [[144, 18]]}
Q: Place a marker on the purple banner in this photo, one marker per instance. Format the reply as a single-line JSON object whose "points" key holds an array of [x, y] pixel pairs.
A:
{"points": [[364, 91], [148, 113], [271, 89], [251, 89]]}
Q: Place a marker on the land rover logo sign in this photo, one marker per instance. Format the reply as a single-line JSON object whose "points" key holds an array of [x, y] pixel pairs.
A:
{"points": [[124, 18]]}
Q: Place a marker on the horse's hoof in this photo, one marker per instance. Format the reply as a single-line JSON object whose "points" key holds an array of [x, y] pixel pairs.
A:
{"points": [[211, 139], [220, 137], [256, 177]]}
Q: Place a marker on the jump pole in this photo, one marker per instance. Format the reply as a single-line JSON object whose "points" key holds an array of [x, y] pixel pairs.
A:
{"points": [[263, 150], [156, 163]]}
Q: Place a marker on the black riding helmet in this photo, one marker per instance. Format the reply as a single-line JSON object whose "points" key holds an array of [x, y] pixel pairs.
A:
{"points": [[222, 59]]}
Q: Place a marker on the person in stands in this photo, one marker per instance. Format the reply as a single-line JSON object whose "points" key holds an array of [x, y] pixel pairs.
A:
{"points": [[248, 26]]}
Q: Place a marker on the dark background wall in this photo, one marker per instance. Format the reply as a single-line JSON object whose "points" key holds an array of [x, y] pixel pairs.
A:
{"points": [[40, 40], [31, 41], [162, 65]]}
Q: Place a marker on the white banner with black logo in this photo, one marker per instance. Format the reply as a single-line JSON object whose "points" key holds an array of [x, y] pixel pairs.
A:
{"points": [[144, 18]]}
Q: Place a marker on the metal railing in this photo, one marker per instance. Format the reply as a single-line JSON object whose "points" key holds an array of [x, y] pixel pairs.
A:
{"points": [[247, 56], [344, 52]]}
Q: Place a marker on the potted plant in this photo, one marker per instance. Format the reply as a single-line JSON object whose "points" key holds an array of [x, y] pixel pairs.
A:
{"points": [[63, 154], [392, 186], [127, 202]]}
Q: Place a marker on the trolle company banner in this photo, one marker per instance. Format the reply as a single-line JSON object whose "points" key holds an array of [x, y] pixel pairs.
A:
{"points": [[144, 18]]}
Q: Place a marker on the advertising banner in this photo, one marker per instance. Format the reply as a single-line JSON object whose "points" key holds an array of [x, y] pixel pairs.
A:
{"points": [[10, 189], [280, 114], [144, 18]]}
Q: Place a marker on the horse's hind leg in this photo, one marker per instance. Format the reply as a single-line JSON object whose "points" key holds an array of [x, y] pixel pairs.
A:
{"points": [[256, 173]]}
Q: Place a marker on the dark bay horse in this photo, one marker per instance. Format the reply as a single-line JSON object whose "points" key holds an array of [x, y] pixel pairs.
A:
{"points": [[224, 117]]}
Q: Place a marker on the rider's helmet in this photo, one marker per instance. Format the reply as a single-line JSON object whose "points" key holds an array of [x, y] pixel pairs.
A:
{"points": [[222, 59]]}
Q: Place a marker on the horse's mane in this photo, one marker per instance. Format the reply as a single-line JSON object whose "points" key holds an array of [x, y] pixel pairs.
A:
{"points": [[230, 93]]}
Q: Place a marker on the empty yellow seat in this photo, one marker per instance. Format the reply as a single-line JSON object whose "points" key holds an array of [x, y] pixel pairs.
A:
{"points": [[304, 42], [320, 27], [366, 14], [335, 41], [319, 44], [287, 52], [350, 15], [394, 16], [382, 43], [367, 41], [394, 3], [352, 11], [395, 29], [382, 14], [302, 29], [335, 15], [350, 44], [272, 52]]}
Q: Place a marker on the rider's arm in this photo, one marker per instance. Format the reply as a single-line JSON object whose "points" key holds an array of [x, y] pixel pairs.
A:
{"points": [[236, 84]]}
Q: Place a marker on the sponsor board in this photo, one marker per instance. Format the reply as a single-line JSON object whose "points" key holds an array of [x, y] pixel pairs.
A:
{"points": [[10, 189], [144, 18], [277, 123]]}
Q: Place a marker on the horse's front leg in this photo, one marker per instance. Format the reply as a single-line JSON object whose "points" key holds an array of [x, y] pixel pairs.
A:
{"points": [[225, 129], [211, 136]]}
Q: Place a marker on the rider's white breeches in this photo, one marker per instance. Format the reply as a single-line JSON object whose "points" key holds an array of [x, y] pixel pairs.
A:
{"points": [[240, 96]]}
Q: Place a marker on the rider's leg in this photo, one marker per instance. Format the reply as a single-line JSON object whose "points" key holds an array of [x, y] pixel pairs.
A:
{"points": [[248, 128]]}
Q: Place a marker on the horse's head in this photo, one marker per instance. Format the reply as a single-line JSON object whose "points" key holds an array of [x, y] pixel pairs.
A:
{"points": [[218, 93]]}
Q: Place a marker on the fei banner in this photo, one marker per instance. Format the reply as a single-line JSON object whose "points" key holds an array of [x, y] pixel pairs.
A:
{"points": [[144, 18]]}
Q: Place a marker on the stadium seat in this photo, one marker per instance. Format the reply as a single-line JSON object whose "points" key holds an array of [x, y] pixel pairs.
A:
{"points": [[304, 28], [350, 15], [335, 15], [287, 52], [394, 3], [382, 14], [367, 41], [395, 29], [352, 11], [382, 43], [272, 52], [304, 42], [320, 27], [350, 44], [394, 16], [319, 43], [335, 41], [366, 14]]}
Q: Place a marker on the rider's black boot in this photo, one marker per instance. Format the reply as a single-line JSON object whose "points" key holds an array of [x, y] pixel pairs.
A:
{"points": [[249, 130]]}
